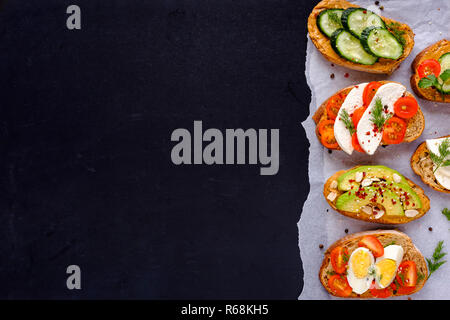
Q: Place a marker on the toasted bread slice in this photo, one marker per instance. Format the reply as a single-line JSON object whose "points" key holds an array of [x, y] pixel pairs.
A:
{"points": [[422, 165], [385, 219], [323, 44], [386, 237], [415, 125], [435, 51]]}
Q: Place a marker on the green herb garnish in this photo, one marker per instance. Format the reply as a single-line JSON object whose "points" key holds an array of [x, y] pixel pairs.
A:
{"points": [[333, 16], [434, 262], [394, 29], [345, 117], [420, 276], [390, 244], [433, 81], [378, 117], [444, 151], [446, 213]]}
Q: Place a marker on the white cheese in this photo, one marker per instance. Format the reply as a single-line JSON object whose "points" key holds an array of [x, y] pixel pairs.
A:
{"points": [[353, 101], [369, 139], [411, 213], [442, 174], [332, 196]]}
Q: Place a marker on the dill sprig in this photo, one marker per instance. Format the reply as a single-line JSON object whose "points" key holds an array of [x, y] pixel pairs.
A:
{"points": [[394, 29], [333, 16], [378, 117], [434, 262], [345, 117], [444, 151], [446, 213]]}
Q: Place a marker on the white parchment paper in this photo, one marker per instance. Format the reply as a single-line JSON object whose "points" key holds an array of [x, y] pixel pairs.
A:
{"points": [[429, 20]]}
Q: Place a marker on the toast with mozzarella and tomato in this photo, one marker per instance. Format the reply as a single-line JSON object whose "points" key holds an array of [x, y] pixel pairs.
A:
{"points": [[357, 38], [426, 168], [434, 60], [373, 264], [364, 116]]}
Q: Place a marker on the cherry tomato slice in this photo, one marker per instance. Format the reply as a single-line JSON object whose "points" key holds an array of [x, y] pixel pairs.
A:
{"points": [[339, 259], [405, 290], [373, 244], [355, 143], [328, 140], [334, 104], [394, 131], [326, 125], [339, 285], [427, 67], [406, 107], [407, 274], [380, 293], [369, 92], [357, 114]]}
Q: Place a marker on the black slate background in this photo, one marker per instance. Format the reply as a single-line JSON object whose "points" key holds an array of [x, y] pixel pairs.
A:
{"points": [[85, 124]]}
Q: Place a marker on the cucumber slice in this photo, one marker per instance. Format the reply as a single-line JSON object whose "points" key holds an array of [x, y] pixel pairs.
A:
{"points": [[381, 43], [350, 48], [356, 20], [329, 21], [444, 60]]}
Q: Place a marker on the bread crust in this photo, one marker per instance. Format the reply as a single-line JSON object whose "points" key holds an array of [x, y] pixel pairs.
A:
{"points": [[435, 51], [323, 44], [422, 165], [384, 219], [411, 252], [415, 125]]}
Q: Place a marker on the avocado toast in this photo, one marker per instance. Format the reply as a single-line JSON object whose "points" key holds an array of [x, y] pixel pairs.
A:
{"points": [[376, 194]]}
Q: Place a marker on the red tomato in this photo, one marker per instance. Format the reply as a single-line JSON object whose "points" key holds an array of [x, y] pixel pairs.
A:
{"points": [[428, 67], [407, 274], [339, 285], [334, 104], [394, 131], [373, 244], [357, 114], [380, 293], [406, 290], [369, 92], [406, 107], [355, 143], [328, 140], [326, 131], [339, 259]]}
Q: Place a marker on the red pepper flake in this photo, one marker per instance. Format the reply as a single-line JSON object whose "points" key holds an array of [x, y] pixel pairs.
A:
{"points": [[368, 133]]}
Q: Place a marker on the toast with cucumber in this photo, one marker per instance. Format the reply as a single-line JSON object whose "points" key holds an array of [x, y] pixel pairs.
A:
{"points": [[431, 72], [357, 38], [431, 162], [376, 193], [373, 264], [364, 116]]}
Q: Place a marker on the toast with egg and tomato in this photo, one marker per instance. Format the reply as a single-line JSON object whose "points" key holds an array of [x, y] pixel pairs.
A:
{"points": [[373, 264], [364, 116], [358, 38], [432, 61], [376, 193], [431, 162]]}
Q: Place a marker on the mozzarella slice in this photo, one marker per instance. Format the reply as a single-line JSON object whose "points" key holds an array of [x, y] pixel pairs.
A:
{"points": [[353, 101], [368, 138], [442, 174]]}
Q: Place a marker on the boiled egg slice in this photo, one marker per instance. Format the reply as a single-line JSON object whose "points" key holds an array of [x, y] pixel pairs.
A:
{"points": [[353, 101], [442, 174], [386, 266], [360, 270]]}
